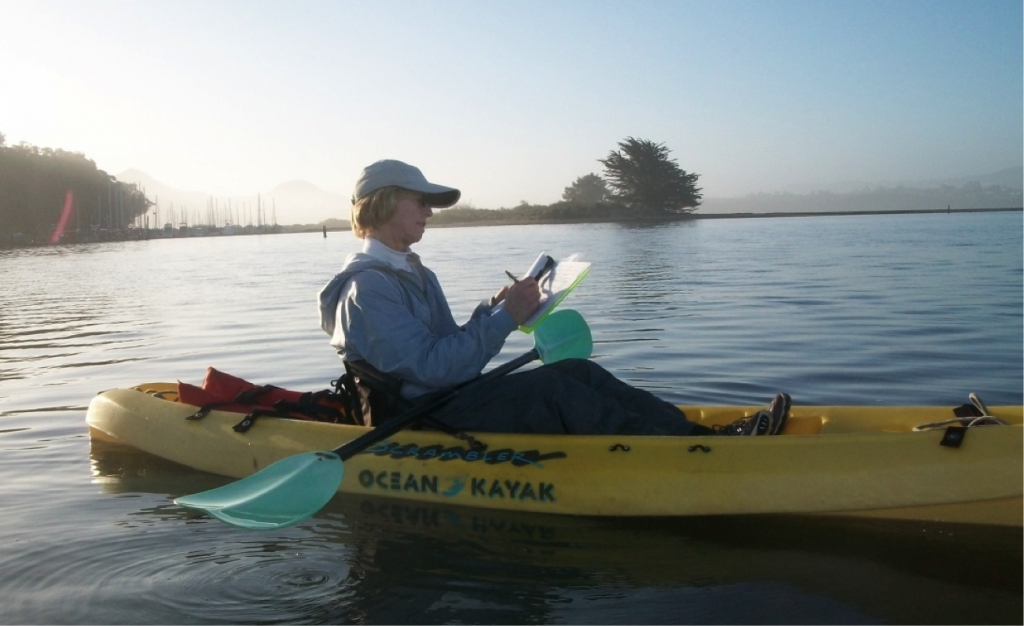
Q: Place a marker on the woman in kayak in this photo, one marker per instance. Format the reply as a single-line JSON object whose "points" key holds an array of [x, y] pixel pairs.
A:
{"points": [[388, 318]]}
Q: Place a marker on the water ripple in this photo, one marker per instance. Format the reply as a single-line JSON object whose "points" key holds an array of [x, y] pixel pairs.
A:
{"points": [[134, 578]]}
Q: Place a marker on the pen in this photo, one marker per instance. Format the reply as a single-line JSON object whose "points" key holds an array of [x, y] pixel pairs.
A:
{"points": [[511, 276]]}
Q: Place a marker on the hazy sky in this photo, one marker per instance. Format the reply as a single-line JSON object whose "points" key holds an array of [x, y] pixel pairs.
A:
{"points": [[514, 100]]}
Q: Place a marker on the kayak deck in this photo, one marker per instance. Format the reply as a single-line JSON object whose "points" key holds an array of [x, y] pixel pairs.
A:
{"points": [[859, 461]]}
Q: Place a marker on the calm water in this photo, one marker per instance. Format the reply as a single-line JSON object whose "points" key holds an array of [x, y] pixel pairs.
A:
{"points": [[884, 310]]}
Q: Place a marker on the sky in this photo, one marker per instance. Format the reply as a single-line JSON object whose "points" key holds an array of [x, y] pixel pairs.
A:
{"points": [[513, 101]]}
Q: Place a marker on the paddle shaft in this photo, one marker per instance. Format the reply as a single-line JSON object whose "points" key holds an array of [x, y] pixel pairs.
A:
{"points": [[408, 418]]}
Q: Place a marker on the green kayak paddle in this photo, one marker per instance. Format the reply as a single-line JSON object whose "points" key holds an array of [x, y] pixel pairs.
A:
{"points": [[294, 488]]}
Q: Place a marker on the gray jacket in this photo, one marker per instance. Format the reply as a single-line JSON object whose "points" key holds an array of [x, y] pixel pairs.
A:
{"points": [[404, 327]]}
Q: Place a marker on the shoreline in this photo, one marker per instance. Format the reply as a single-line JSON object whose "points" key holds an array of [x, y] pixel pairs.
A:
{"points": [[660, 219], [654, 220], [695, 216]]}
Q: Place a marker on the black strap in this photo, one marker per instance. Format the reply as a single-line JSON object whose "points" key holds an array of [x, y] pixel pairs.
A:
{"points": [[967, 410], [250, 419], [381, 393], [345, 387], [249, 396], [308, 405]]}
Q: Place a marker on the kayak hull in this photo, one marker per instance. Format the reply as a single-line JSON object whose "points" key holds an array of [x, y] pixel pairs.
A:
{"points": [[850, 461]]}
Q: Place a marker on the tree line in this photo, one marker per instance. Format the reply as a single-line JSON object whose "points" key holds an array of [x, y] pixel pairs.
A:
{"points": [[641, 181], [51, 195]]}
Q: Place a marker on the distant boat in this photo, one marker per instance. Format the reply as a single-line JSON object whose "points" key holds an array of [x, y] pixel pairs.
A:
{"points": [[229, 229]]}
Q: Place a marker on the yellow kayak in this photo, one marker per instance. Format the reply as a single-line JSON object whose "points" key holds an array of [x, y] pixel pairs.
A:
{"points": [[914, 463]]}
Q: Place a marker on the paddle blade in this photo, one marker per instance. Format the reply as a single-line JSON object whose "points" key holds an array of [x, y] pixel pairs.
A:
{"points": [[280, 495], [563, 335]]}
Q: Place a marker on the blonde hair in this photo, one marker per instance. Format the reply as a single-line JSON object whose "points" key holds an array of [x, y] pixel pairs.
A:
{"points": [[373, 210]]}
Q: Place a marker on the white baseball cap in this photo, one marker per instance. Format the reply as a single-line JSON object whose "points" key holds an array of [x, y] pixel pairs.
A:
{"points": [[390, 172]]}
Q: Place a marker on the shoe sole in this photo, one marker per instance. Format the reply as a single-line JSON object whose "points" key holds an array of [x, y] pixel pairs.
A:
{"points": [[779, 410]]}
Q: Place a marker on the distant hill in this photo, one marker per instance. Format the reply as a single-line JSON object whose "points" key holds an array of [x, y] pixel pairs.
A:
{"points": [[165, 195], [301, 197], [294, 202], [301, 202], [1000, 190], [1012, 177]]}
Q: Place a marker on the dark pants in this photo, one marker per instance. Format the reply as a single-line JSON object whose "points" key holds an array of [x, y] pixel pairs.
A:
{"points": [[575, 396]]}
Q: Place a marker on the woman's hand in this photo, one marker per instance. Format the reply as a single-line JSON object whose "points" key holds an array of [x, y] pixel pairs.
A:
{"points": [[521, 299]]}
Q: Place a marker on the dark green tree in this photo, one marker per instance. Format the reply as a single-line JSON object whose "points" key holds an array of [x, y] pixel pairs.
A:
{"points": [[37, 183], [589, 189], [644, 178]]}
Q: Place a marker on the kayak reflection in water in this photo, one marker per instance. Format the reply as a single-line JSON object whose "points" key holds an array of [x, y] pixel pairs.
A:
{"points": [[390, 322]]}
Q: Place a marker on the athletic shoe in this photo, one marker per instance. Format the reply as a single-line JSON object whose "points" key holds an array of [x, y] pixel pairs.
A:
{"points": [[767, 422], [758, 424]]}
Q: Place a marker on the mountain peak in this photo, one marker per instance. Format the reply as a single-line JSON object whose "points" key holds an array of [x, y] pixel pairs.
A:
{"points": [[296, 201]]}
